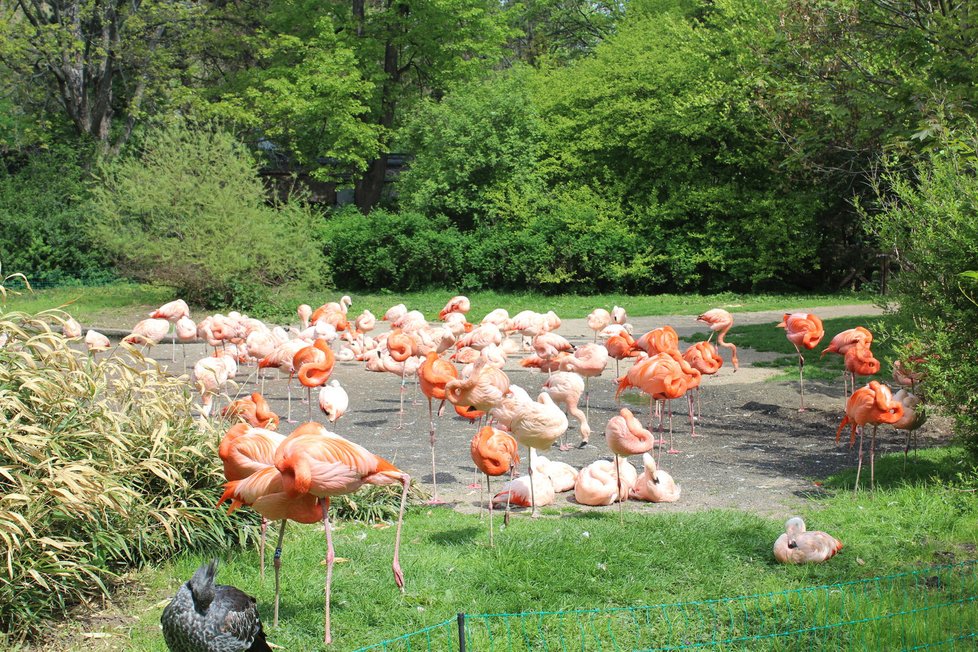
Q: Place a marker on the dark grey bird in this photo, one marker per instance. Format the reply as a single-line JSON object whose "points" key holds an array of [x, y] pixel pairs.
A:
{"points": [[208, 617]]}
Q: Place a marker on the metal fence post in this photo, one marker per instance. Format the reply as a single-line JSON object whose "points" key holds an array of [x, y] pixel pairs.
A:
{"points": [[461, 632]]}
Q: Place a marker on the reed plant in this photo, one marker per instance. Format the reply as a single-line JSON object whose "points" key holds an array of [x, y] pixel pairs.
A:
{"points": [[102, 468]]}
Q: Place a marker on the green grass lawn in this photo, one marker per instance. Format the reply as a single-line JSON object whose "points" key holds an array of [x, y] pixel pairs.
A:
{"points": [[768, 338], [920, 515], [120, 303]]}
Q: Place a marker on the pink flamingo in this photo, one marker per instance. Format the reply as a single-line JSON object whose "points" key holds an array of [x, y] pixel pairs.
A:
{"points": [[720, 322], [172, 312], [870, 404], [597, 320], [626, 436], [333, 400], [456, 304], [314, 461], [604, 482], [654, 484], [493, 452], [567, 387], [803, 330], [148, 332], [537, 425], [797, 546], [96, 342]]}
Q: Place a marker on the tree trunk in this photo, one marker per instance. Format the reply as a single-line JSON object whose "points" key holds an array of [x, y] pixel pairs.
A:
{"points": [[369, 187]]}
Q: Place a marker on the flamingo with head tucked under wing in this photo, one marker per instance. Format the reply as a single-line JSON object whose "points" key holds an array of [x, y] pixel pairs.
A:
{"points": [[803, 330]]}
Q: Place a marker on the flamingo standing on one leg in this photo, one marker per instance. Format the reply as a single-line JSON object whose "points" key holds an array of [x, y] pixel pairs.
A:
{"points": [[186, 331], [803, 330], [314, 365], [626, 436], [589, 361], [567, 387], [597, 320], [314, 461], [494, 452], [536, 424], [172, 312], [870, 404], [433, 374], [720, 322]]}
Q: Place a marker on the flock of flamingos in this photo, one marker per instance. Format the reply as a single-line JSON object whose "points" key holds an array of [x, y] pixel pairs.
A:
{"points": [[460, 363]]}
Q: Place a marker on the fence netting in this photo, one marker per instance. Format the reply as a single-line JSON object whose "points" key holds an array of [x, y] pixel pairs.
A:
{"points": [[932, 608]]}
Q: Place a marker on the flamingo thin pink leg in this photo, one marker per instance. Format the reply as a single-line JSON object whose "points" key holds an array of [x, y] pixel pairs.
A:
{"points": [[859, 466], [261, 548], [621, 499], [330, 558], [801, 377], [692, 422], [489, 491], [431, 438], [533, 498], [277, 564], [396, 565], [872, 464], [672, 450]]}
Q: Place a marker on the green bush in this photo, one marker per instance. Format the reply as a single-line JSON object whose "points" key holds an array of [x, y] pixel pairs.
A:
{"points": [[394, 251], [929, 222], [43, 218], [102, 468], [189, 210]]}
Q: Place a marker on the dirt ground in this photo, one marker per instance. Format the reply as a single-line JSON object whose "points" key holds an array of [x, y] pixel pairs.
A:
{"points": [[757, 452]]}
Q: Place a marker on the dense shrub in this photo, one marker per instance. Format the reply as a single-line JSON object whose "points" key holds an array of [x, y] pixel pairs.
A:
{"points": [[102, 467], [189, 210], [929, 221], [394, 251], [43, 218]]}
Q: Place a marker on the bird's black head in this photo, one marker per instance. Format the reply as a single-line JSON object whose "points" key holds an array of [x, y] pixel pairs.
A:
{"points": [[202, 585]]}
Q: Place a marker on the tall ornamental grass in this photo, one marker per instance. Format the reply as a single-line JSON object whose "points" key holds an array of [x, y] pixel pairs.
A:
{"points": [[102, 468]]}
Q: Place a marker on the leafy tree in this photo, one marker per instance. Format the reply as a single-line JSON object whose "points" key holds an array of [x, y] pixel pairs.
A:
{"points": [[558, 31], [189, 210], [928, 220], [324, 66], [661, 120], [103, 63], [844, 81], [472, 149], [43, 217]]}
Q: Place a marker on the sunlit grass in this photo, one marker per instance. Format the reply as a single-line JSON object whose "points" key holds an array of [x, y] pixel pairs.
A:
{"points": [[109, 305], [921, 515], [118, 304]]}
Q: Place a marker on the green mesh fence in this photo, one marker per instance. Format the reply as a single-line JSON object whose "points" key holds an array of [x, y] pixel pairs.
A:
{"points": [[930, 608]]}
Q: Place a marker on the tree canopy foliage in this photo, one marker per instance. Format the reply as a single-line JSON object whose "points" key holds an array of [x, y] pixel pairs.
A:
{"points": [[717, 144]]}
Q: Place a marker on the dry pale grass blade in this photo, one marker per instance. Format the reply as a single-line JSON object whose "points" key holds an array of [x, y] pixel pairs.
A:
{"points": [[102, 467]]}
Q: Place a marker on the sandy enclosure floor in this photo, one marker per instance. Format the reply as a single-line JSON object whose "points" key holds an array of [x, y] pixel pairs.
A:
{"points": [[757, 451]]}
